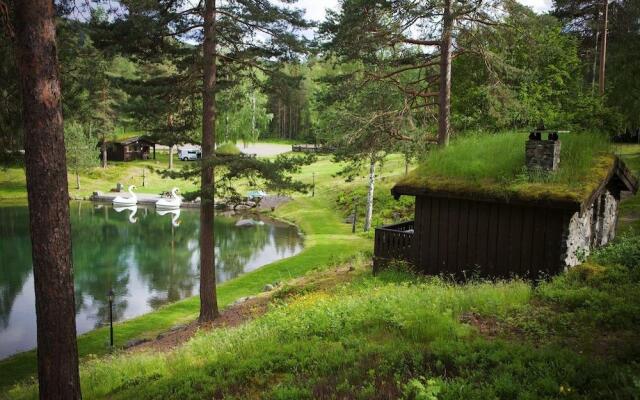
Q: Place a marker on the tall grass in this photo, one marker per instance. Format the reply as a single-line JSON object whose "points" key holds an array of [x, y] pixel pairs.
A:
{"points": [[500, 158], [315, 336]]}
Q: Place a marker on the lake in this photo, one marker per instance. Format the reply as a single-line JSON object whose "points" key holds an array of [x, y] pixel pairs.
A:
{"points": [[148, 259]]}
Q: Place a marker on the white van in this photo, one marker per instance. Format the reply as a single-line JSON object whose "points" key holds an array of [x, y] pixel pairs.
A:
{"points": [[189, 154]]}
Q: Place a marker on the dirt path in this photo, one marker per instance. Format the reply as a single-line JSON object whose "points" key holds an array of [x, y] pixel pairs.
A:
{"points": [[248, 308], [231, 316]]}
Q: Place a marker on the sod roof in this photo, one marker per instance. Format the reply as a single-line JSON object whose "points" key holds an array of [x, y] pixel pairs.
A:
{"points": [[491, 167], [228, 149]]}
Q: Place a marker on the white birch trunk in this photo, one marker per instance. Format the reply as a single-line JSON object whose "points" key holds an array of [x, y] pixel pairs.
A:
{"points": [[171, 157], [372, 179]]}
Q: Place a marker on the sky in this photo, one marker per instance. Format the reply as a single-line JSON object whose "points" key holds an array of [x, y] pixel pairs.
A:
{"points": [[316, 8]]}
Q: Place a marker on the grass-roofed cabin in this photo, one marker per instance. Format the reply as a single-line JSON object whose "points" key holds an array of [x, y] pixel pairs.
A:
{"points": [[504, 205], [133, 148]]}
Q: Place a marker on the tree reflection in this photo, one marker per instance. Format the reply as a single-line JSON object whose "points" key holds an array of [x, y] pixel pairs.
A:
{"points": [[149, 263], [15, 267]]}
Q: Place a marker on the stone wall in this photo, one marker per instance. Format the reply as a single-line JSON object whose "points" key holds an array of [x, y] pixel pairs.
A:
{"points": [[542, 154], [593, 228]]}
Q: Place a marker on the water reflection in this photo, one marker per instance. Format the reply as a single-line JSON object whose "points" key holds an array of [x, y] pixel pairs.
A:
{"points": [[175, 215], [132, 214], [149, 258]]}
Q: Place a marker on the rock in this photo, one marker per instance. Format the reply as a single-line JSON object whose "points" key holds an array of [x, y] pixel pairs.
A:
{"points": [[248, 222], [135, 342], [178, 327], [241, 300], [197, 200], [267, 288]]}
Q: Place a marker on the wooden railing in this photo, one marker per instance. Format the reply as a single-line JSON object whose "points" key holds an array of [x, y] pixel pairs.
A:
{"points": [[393, 242]]}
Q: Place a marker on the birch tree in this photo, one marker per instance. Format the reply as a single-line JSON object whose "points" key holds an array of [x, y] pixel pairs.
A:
{"points": [[81, 150]]}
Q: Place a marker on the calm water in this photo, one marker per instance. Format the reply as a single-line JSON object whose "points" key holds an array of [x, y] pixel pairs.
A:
{"points": [[148, 259]]}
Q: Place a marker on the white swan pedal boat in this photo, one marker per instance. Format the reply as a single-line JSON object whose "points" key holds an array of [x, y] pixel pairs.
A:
{"points": [[171, 203], [132, 200]]}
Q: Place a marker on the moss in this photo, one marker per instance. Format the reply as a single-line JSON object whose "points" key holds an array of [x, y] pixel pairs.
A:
{"points": [[227, 149], [493, 166]]}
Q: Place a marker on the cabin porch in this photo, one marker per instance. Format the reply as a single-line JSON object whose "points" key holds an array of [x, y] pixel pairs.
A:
{"points": [[393, 242]]}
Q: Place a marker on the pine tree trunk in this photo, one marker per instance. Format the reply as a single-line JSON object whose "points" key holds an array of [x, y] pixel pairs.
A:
{"points": [[603, 47], [208, 298], [171, 157], [48, 195], [445, 76], [372, 179]]}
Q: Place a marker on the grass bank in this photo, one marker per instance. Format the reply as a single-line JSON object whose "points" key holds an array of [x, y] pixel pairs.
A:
{"points": [[398, 335], [327, 241]]}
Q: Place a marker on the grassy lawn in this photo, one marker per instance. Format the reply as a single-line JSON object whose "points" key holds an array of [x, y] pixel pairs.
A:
{"points": [[13, 181]]}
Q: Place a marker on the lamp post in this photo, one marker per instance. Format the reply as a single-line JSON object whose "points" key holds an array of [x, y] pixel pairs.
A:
{"points": [[111, 295], [355, 216]]}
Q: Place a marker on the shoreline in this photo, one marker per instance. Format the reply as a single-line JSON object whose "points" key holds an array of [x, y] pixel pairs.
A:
{"points": [[321, 248]]}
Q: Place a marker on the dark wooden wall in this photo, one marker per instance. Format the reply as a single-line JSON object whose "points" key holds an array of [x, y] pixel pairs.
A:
{"points": [[460, 237]]}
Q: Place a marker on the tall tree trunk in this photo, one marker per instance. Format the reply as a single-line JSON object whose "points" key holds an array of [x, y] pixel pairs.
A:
{"points": [[406, 164], [372, 180], [603, 47], [171, 156], [595, 65], [445, 76], [208, 298], [48, 195], [104, 151], [253, 119]]}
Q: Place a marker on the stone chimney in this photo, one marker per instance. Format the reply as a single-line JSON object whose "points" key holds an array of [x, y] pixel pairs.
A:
{"points": [[543, 154]]}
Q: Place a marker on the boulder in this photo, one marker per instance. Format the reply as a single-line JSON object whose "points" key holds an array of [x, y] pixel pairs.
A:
{"points": [[135, 342]]}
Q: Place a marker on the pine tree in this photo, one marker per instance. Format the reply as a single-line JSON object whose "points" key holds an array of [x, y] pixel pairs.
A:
{"points": [[236, 37], [405, 38], [47, 190]]}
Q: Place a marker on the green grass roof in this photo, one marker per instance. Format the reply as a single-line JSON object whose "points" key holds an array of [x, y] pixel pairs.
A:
{"points": [[493, 166], [227, 149]]}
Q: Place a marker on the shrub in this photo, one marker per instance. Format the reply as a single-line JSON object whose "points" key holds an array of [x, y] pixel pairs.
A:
{"points": [[625, 250]]}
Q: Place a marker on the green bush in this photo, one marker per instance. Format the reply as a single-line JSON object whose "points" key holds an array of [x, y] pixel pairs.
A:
{"points": [[625, 250]]}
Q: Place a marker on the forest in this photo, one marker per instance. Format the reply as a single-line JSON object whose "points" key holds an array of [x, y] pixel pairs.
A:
{"points": [[416, 199]]}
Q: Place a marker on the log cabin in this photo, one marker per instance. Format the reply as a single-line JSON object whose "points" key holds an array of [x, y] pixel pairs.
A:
{"points": [[134, 148], [527, 230]]}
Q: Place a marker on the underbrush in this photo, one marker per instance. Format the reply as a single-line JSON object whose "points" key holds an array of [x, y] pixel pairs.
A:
{"points": [[386, 209], [398, 335], [593, 308]]}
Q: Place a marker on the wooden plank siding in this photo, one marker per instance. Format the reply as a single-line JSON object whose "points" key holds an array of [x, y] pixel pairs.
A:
{"points": [[459, 237]]}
